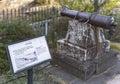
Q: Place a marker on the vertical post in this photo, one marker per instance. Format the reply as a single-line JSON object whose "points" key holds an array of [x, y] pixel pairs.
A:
{"points": [[11, 15], [15, 12], [97, 40], [46, 27], [3, 15], [25, 14], [30, 76], [18, 13], [7, 15], [22, 15]]}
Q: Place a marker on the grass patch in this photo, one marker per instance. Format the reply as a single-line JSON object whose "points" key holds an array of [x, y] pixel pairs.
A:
{"points": [[115, 46]]}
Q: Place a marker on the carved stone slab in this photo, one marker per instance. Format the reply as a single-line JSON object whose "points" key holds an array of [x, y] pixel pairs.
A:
{"points": [[80, 34]]}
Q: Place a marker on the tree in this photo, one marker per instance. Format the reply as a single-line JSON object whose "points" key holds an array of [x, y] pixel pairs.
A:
{"points": [[93, 6], [45, 2], [41, 2], [107, 6]]}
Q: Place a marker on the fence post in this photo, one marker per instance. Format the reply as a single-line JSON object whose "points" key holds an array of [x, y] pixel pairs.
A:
{"points": [[46, 27], [7, 15], [11, 14], [15, 12], [22, 13], [3, 15]]}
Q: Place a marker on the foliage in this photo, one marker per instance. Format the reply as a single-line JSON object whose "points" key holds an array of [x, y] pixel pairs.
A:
{"points": [[81, 5], [116, 35], [115, 46], [39, 2], [10, 32], [90, 5], [107, 8], [42, 2], [57, 30]]}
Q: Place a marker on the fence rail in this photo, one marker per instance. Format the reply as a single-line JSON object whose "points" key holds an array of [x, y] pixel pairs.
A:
{"points": [[34, 14]]}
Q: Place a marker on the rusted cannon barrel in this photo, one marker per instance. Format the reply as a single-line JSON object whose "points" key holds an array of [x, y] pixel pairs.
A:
{"points": [[106, 22]]}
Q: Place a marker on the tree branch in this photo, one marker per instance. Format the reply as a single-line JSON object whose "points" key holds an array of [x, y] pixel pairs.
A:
{"points": [[102, 4]]}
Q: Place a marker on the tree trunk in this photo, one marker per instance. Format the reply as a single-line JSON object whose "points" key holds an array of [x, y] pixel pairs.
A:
{"points": [[96, 6]]}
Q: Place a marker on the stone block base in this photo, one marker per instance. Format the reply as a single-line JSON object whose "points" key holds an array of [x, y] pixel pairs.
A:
{"points": [[85, 70], [106, 61]]}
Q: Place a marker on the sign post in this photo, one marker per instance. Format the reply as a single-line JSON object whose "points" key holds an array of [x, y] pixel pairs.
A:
{"points": [[26, 54], [30, 76]]}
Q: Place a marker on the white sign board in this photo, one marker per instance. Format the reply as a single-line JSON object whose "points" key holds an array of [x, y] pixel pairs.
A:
{"points": [[28, 53]]}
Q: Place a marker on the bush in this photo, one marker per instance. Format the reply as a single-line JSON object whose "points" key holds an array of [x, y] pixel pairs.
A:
{"points": [[10, 32], [41, 2], [116, 35], [58, 29], [115, 46]]}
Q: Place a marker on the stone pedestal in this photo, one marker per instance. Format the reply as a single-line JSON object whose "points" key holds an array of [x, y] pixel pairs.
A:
{"points": [[80, 55]]}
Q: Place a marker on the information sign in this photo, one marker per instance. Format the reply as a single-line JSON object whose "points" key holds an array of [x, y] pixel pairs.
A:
{"points": [[26, 54]]}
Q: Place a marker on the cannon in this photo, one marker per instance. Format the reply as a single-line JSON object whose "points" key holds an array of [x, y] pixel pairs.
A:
{"points": [[85, 51], [106, 22], [96, 20]]}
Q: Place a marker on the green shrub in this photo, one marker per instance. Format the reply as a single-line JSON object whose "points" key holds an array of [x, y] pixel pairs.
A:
{"points": [[40, 2], [116, 35], [58, 29], [10, 32], [115, 46]]}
